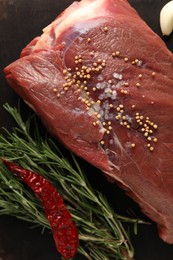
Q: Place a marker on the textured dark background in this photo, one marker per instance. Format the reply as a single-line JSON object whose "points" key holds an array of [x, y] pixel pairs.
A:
{"points": [[20, 21]]}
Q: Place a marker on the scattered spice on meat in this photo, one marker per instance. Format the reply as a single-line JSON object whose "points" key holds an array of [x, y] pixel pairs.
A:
{"points": [[105, 29], [101, 97], [153, 74], [138, 84]]}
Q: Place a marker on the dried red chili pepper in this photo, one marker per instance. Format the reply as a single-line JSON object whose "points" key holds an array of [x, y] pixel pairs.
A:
{"points": [[63, 228]]}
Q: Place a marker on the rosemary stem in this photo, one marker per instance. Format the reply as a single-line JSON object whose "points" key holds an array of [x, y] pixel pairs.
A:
{"points": [[102, 234]]}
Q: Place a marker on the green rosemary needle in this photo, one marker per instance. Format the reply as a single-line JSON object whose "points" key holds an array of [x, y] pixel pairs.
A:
{"points": [[101, 232]]}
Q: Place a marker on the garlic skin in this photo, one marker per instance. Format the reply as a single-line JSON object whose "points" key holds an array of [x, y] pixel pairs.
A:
{"points": [[166, 18]]}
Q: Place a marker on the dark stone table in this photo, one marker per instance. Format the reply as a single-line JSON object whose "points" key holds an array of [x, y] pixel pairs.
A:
{"points": [[20, 21]]}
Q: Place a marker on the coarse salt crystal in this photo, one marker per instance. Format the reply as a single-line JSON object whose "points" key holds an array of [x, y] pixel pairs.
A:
{"points": [[117, 76]]}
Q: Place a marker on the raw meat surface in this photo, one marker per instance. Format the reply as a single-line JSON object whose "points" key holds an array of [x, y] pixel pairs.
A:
{"points": [[102, 82]]}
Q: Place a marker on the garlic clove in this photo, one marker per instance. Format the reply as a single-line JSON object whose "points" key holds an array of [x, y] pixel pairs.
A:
{"points": [[166, 18]]}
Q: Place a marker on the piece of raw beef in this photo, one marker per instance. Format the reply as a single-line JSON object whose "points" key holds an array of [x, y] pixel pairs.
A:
{"points": [[102, 82]]}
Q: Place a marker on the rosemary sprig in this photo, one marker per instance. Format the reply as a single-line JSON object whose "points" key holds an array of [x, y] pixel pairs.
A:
{"points": [[102, 235]]}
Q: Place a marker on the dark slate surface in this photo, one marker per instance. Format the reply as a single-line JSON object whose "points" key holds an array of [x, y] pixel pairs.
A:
{"points": [[20, 21]]}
